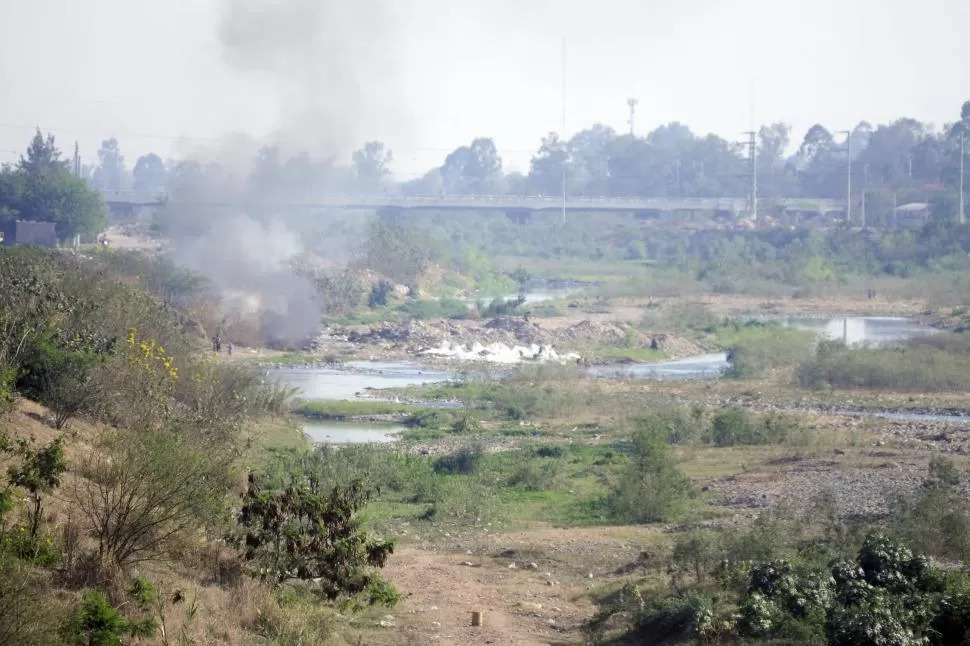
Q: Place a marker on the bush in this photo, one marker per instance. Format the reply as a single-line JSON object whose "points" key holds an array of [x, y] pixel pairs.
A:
{"points": [[763, 348], [57, 374], [309, 533], [675, 425], [380, 292], [735, 426], [29, 614], [653, 488], [542, 474], [146, 490], [920, 366], [936, 520], [464, 461], [97, 623]]}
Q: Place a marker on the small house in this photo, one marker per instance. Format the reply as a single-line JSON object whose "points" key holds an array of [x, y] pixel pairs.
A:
{"points": [[29, 232], [913, 215]]}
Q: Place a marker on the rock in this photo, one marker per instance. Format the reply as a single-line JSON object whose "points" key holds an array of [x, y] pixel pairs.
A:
{"points": [[512, 566], [532, 566]]}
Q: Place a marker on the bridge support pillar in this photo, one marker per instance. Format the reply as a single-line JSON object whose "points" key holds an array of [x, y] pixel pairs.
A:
{"points": [[392, 213], [519, 216]]}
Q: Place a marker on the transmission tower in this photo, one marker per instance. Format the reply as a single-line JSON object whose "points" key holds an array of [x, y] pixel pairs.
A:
{"points": [[632, 103]]}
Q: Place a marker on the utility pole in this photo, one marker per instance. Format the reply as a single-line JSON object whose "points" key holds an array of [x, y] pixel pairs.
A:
{"points": [[848, 180], [962, 215], [77, 160], [565, 148], [633, 109], [753, 162], [895, 212], [865, 187]]}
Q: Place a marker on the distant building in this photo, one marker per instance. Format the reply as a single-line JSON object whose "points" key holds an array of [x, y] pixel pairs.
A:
{"points": [[28, 232], [912, 215]]}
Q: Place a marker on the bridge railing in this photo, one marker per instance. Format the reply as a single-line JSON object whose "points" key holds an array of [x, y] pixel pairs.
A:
{"points": [[531, 202]]}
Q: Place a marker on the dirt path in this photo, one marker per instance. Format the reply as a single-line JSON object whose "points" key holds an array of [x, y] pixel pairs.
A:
{"points": [[541, 601]]}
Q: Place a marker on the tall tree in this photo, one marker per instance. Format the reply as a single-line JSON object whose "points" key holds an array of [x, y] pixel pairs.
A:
{"points": [[42, 154], [110, 173], [149, 174], [589, 157], [372, 164], [548, 166], [474, 169], [773, 179]]}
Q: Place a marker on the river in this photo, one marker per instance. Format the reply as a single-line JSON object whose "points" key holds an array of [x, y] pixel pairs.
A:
{"points": [[352, 379]]}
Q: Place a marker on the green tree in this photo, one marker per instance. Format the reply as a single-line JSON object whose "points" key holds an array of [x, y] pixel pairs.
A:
{"points": [[42, 155], [39, 473], [396, 251], [653, 487], [473, 169], [548, 166], [55, 195]]}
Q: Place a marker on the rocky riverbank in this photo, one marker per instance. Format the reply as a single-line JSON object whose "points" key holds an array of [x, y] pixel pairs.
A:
{"points": [[414, 337]]}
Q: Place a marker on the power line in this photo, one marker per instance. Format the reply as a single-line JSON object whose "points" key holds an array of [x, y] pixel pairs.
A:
{"points": [[164, 137]]}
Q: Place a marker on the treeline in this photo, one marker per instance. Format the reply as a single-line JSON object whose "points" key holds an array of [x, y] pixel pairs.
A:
{"points": [[906, 156]]}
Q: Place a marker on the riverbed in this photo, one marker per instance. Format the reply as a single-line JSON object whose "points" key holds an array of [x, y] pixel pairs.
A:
{"points": [[356, 380]]}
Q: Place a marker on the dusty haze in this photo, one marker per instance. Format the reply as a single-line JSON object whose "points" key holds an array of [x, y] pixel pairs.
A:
{"points": [[149, 72]]}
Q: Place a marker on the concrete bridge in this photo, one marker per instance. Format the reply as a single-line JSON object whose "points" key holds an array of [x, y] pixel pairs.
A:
{"points": [[127, 201]]}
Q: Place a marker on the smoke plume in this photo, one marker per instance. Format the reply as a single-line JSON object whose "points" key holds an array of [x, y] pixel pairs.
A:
{"points": [[329, 64]]}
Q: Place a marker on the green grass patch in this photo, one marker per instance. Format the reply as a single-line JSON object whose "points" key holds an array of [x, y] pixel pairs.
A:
{"points": [[640, 355], [341, 410]]}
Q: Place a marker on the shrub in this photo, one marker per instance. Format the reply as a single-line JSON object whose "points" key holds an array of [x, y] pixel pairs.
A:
{"points": [[675, 425], [764, 348], [936, 520], [97, 623], [462, 499], [308, 533], [542, 474], [653, 488], [464, 461], [734, 426], [380, 292], [145, 490], [39, 473], [57, 374], [920, 366], [29, 614]]}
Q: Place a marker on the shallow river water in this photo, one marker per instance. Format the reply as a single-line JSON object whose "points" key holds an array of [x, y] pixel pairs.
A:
{"points": [[351, 380]]}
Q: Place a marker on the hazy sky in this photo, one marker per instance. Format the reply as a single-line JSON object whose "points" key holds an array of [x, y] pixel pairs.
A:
{"points": [[426, 76]]}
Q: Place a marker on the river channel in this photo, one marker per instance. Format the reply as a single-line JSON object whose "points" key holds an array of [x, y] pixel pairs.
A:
{"points": [[353, 379]]}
